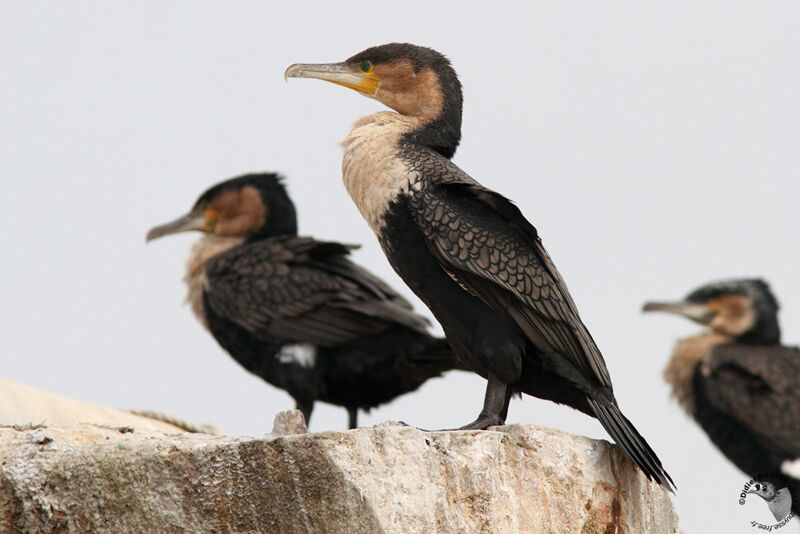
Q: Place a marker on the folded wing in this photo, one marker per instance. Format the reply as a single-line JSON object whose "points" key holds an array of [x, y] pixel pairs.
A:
{"points": [[298, 290]]}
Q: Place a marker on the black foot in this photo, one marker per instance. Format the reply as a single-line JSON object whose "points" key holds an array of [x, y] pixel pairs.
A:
{"points": [[495, 406], [482, 423]]}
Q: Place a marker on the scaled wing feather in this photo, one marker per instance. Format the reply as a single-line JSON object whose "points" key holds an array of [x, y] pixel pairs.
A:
{"points": [[297, 289], [483, 241]]}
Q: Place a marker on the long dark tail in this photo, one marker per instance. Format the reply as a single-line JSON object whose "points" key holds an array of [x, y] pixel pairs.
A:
{"points": [[626, 436]]}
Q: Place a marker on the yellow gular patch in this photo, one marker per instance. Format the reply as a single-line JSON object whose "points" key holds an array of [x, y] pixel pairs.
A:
{"points": [[210, 224], [366, 83], [369, 83]]}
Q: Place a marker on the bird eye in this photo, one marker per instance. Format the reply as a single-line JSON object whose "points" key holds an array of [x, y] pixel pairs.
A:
{"points": [[366, 65]]}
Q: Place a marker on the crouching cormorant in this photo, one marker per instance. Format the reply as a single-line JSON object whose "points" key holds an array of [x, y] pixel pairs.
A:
{"points": [[465, 250], [296, 311], [737, 381]]}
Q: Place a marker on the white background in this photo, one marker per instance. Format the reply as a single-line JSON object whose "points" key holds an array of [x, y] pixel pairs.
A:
{"points": [[655, 149]]}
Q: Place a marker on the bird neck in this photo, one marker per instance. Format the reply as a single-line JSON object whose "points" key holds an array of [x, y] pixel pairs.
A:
{"points": [[271, 231], [682, 366], [373, 173], [765, 332], [442, 134], [195, 278], [281, 214]]}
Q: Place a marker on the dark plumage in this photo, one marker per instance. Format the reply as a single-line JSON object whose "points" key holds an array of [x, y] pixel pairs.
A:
{"points": [[296, 311], [465, 250], [736, 380]]}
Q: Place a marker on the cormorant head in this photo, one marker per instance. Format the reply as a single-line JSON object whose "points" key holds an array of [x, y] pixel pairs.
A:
{"points": [[765, 490], [252, 206], [413, 80], [744, 309]]}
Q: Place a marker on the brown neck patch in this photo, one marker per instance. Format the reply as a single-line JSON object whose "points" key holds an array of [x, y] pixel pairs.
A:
{"points": [[688, 353], [733, 316], [240, 211], [416, 94]]}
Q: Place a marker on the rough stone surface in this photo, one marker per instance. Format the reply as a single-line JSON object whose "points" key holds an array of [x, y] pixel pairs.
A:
{"points": [[26, 405], [390, 478], [289, 423]]}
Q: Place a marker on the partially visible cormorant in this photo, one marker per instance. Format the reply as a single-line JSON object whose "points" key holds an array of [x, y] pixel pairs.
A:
{"points": [[465, 250], [296, 311], [777, 497], [737, 381]]}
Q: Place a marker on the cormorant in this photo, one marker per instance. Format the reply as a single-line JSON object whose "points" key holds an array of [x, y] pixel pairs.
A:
{"points": [[779, 501], [465, 250], [736, 380], [296, 311]]}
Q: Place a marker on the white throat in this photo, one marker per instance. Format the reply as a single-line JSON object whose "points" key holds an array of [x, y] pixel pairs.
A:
{"points": [[196, 281], [373, 173]]}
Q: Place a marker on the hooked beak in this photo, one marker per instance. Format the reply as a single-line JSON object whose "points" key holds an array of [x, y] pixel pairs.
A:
{"points": [[340, 73], [204, 222], [699, 313]]}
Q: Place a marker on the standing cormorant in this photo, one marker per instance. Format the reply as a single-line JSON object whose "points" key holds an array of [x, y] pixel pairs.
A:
{"points": [[737, 381], [296, 311], [465, 250]]}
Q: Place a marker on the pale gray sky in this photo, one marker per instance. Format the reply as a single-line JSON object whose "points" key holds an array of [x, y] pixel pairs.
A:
{"points": [[654, 147]]}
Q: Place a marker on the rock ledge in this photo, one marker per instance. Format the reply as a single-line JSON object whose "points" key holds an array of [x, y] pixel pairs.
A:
{"points": [[390, 478]]}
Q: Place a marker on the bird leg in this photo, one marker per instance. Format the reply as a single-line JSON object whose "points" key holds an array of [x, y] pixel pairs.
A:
{"points": [[305, 408], [495, 405], [352, 418], [504, 411]]}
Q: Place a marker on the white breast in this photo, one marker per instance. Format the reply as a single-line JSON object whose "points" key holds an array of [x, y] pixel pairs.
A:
{"points": [[373, 174]]}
